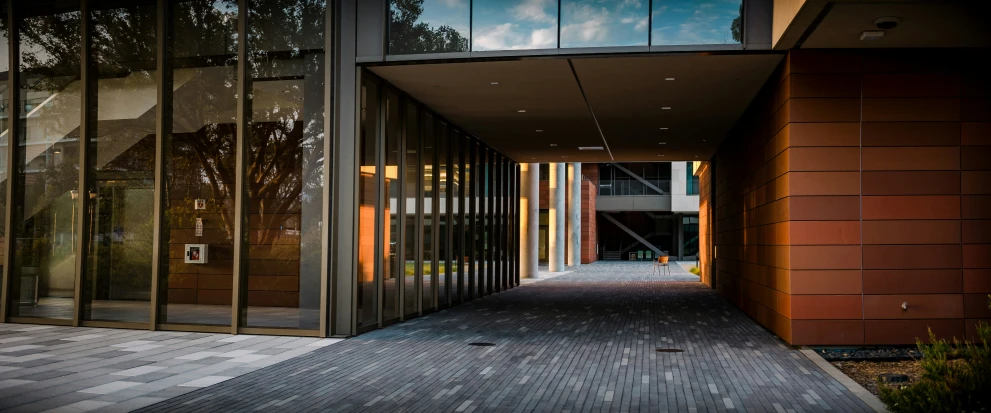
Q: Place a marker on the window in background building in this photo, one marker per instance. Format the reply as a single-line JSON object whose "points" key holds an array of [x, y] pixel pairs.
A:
{"points": [[514, 25], [117, 276], [690, 235], [597, 23], [429, 26], [43, 278], [696, 22], [691, 181]]}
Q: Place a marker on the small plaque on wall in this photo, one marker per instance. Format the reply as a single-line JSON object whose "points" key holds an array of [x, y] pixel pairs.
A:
{"points": [[199, 227], [199, 204]]}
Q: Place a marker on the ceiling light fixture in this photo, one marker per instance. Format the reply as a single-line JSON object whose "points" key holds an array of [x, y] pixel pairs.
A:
{"points": [[553, 144], [872, 34], [590, 148], [669, 78], [522, 111], [703, 140], [660, 155], [665, 108], [662, 143], [493, 83], [539, 130], [664, 128]]}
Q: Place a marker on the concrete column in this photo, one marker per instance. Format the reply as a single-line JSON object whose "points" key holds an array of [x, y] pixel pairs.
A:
{"points": [[529, 219], [556, 218], [574, 214]]}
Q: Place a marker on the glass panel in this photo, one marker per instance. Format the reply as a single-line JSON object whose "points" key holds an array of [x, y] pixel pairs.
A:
{"points": [[43, 283], [393, 189], [200, 161], [490, 227], [117, 280], [443, 237], [690, 236], [687, 22], [285, 197], [412, 232], [429, 26], [471, 206], [497, 230], [530, 24], [483, 232], [4, 134], [428, 207], [367, 304], [597, 23], [453, 178]]}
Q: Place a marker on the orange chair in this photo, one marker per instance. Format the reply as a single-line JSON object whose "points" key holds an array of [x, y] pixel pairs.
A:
{"points": [[662, 261]]}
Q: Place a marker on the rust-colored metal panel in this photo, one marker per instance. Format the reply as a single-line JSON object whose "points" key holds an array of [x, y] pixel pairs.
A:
{"points": [[977, 281], [911, 109], [826, 307], [911, 159], [919, 306], [824, 159], [975, 133], [824, 208], [911, 182], [824, 232], [907, 134], [977, 256], [824, 134], [824, 183], [826, 281], [913, 281], [893, 257], [824, 85], [823, 257], [907, 331], [827, 332], [912, 232], [911, 85], [824, 110], [911, 207]]}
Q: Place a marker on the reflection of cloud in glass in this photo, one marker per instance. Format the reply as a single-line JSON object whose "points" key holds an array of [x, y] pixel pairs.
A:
{"points": [[524, 24], [677, 22], [592, 23]]}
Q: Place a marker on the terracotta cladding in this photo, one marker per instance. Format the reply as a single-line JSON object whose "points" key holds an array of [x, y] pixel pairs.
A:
{"points": [[855, 182]]}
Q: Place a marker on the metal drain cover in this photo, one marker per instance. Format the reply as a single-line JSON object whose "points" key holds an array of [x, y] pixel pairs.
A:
{"points": [[481, 344], [669, 350]]}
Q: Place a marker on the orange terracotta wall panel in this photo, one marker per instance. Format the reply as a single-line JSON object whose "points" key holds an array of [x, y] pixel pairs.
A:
{"points": [[911, 207], [977, 280], [912, 232], [911, 183], [919, 306], [825, 257], [888, 257], [907, 331], [827, 332], [827, 282], [824, 232], [826, 307], [913, 281], [911, 159], [910, 134], [824, 208]]}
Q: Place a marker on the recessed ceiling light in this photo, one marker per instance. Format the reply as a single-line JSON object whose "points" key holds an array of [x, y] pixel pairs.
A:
{"points": [[590, 148], [669, 78], [703, 140], [522, 111], [662, 143], [539, 130], [493, 83], [696, 156], [660, 155], [664, 128], [665, 108], [553, 144], [564, 156]]}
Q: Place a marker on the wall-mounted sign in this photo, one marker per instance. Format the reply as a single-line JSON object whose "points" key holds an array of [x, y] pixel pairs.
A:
{"points": [[199, 227], [196, 254], [199, 204]]}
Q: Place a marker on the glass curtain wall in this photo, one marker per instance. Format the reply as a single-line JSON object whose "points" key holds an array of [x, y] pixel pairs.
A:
{"points": [[412, 267], [497, 224], [443, 236], [471, 168], [483, 220], [285, 169], [4, 138], [201, 156], [452, 26], [428, 207], [116, 282], [366, 305], [391, 264], [454, 221], [43, 282]]}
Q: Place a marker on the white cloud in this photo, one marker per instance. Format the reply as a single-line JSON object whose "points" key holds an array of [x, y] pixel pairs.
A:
{"points": [[641, 25], [455, 4], [535, 11]]}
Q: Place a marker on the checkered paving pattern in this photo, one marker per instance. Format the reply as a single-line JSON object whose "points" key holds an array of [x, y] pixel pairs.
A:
{"points": [[65, 369], [585, 341]]}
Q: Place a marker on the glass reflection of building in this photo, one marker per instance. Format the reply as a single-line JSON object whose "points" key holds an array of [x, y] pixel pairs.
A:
{"points": [[147, 126]]}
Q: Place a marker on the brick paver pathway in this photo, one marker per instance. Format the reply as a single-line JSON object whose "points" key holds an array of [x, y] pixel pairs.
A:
{"points": [[580, 342]]}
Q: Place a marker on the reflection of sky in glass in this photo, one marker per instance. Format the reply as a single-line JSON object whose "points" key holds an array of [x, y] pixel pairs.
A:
{"points": [[694, 21], [593, 23], [454, 13], [514, 24]]}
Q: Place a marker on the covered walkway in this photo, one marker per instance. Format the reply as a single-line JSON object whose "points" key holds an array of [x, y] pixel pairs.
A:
{"points": [[583, 341]]}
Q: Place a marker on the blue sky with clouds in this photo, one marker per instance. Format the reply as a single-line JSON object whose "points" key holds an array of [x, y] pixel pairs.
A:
{"points": [[532, 24]]}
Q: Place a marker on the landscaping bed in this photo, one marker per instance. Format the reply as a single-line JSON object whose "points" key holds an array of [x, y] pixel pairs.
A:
{"points": [[864, 365]]}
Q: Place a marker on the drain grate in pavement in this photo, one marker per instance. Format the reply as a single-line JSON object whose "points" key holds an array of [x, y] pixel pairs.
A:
{"points": [[669, 350], [481, 344]]}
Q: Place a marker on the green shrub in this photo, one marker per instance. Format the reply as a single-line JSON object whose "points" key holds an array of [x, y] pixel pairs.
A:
{"points": [[956, 377], [695, 270]]}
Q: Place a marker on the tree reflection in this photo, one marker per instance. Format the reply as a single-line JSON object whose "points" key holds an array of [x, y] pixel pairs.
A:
{"points": [[407, 34]]}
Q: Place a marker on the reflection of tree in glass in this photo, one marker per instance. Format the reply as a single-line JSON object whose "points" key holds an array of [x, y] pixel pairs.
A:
{"points": [[736, 28], [407, 35]]}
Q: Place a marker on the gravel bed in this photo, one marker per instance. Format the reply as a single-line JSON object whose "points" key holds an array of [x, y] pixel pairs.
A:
{"points": [[870, 354]]}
